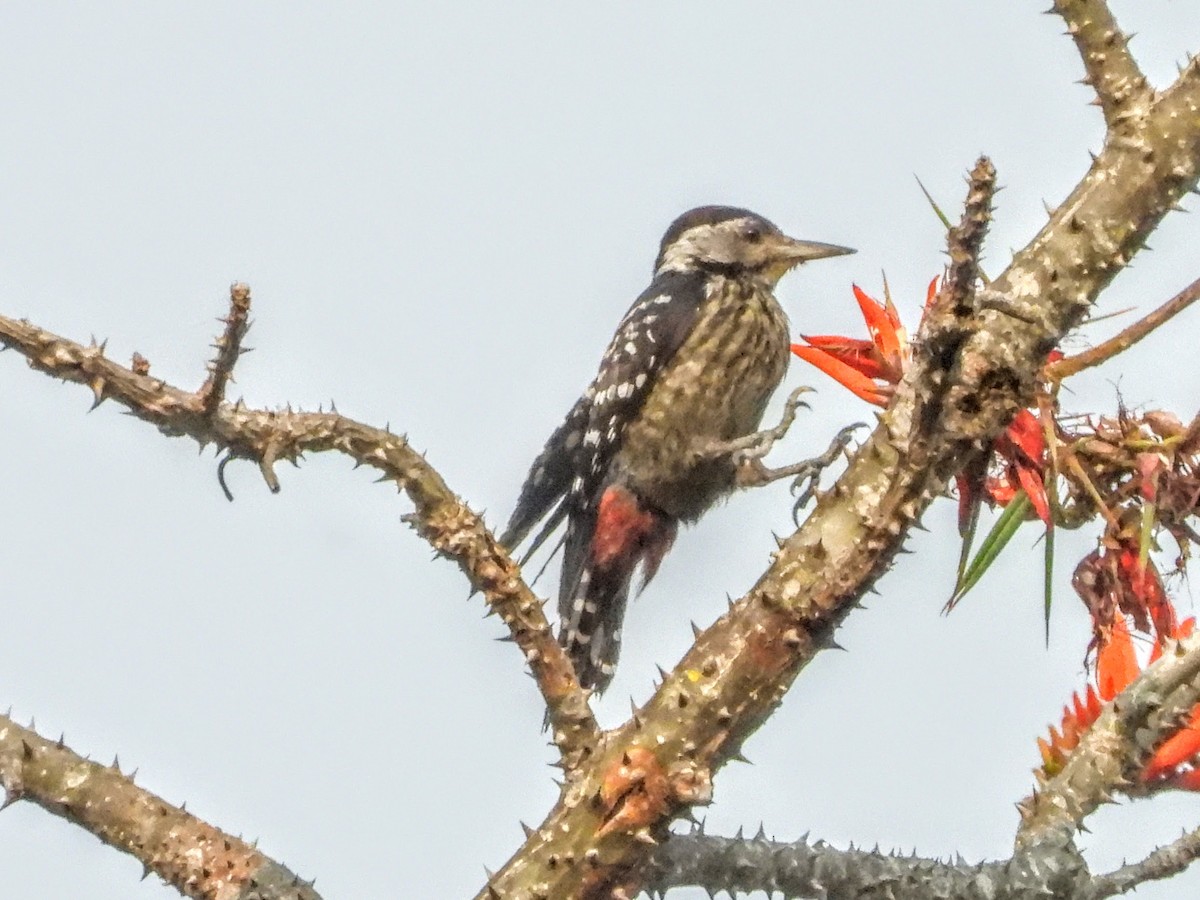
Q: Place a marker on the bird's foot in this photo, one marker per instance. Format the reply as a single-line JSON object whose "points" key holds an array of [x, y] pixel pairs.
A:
{"points": [[753, 447], [806, 474]]}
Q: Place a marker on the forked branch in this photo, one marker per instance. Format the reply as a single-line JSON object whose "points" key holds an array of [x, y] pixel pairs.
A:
{"points": [[268, 437]]}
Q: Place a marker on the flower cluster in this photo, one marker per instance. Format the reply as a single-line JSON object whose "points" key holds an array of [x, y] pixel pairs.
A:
{"points": [[872, 368], [1138, 474], [1173, 763]]}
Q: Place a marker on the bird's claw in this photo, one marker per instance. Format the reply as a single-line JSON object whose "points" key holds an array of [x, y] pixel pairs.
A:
{"points": [[747, 451], [808, 473]]}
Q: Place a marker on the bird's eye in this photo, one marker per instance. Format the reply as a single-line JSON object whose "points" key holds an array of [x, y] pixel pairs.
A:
{"points": [[752, 233]]}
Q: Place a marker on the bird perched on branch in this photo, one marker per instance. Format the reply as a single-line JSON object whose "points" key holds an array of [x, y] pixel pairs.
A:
{"points": [[654, 439]]}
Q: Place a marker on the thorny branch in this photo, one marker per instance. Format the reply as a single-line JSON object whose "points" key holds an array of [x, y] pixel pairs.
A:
{"points": [[1115, 748], [815, 870], [806, 869], [1162, 863], [964, 243], [272, 436], [1119, 343], [978, 364], [1111, 69], [192, 856], [228, 347]]}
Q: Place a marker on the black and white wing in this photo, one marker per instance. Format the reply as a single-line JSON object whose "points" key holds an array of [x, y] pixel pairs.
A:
{"points": [[548, 481], [645, 342], [566, 476]]}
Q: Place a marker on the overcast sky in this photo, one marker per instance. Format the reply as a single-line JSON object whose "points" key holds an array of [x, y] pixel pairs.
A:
{"points": [[443, 210]]}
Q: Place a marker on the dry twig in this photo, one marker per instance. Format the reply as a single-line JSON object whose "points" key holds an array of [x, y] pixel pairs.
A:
{"points": [[228, 347], [1119, 343]]}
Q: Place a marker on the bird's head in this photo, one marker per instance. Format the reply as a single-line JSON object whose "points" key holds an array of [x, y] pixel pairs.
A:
{"points": [[735, 242]]}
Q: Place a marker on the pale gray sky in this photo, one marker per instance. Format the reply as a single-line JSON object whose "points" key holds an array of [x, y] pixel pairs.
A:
{"points": [[443, 210]]}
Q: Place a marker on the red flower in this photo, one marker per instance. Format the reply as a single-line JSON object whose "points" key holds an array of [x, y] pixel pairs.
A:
{"points": [[1173, 764], [871, 368], [1021, 450], [1076, 720], [1114, 582]]}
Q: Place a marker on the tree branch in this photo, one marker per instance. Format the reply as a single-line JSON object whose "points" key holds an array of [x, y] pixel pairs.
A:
{"points": [[1115, 749], [960, 393], [1121, 88], [806, 869], [192, 856], [816, 870], [964, 244], [228, 347], [1162, 863], [1119, 343], [271, 436]]}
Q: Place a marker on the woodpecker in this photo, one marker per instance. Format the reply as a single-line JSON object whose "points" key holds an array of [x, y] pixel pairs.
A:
{"points": [[690, 368]]}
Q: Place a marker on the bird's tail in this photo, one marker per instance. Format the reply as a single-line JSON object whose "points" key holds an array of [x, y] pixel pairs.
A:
{"points": [[603, 548]]}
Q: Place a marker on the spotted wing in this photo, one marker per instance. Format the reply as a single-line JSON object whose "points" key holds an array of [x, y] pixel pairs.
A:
{"points": [[647, 339], [568, 471], [548, 481]]}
